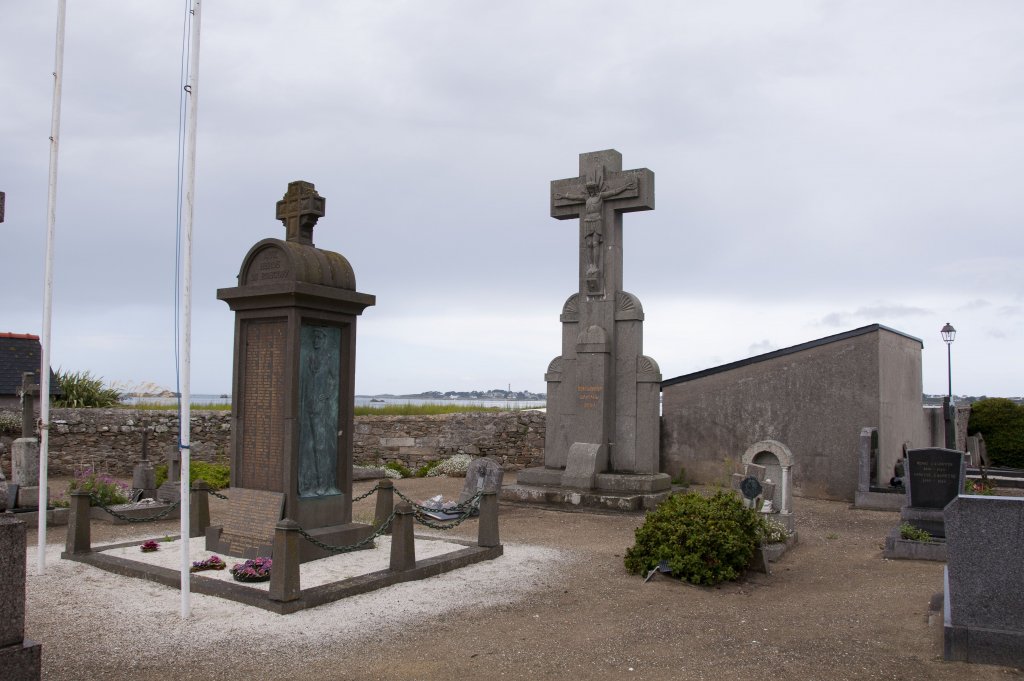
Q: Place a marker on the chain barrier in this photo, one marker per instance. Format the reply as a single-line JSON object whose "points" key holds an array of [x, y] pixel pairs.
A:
{"points": [[130, 519], [470, 506], [351, 547], [371, 491], [457, 508]]}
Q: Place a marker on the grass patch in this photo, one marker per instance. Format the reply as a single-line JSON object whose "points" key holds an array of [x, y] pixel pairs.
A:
{"points": [[155, 406], [428, 409]]}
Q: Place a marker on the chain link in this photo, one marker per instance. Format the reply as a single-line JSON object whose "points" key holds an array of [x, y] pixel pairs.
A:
{"points": [[372, 491], [209, 492], [351, 547], [130, 519], [468, 503]]}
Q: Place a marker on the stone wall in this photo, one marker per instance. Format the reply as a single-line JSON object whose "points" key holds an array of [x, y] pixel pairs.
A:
{"points": [[111, 439]]}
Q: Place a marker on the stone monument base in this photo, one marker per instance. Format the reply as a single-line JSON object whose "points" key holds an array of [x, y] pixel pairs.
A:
{"points": [[877, 500], [611, 491], [334, 535], [22, 661]]}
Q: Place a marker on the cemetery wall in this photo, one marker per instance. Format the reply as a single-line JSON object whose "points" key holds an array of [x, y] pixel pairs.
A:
{"points": [[814, 398], [111, 439]]}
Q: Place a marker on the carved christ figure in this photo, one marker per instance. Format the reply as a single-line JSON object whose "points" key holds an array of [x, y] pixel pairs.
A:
{"points": [[593, 221]]}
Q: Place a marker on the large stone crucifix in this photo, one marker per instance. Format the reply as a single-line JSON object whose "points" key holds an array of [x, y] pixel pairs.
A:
{"points": [[299, 210], [599, 197]]}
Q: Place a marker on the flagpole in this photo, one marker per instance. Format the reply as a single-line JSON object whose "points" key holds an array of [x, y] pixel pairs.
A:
{"points": [[186, 294], [51, 219]]}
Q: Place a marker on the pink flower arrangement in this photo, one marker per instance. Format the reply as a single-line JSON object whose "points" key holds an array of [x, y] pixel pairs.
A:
{"points": [[252, 570], [149, 546], [211, 563]]}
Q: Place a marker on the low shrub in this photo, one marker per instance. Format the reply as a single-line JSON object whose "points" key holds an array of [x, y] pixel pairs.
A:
{"points": [[424, 470], [908, 531], [704, 540], [400, 468], [216, 475]]}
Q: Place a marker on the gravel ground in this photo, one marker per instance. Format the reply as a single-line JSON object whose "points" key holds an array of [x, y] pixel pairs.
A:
{"points": [[558, 604]]}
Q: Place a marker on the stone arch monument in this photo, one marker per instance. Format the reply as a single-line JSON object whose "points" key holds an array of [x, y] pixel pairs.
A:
{"points": [[777, 460]]}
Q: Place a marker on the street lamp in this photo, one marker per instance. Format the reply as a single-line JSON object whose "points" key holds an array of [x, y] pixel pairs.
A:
{"points": [[948, 334]]}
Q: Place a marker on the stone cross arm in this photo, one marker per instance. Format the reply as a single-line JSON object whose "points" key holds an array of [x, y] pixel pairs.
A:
{"points": [[601, 176], [299, 210]]}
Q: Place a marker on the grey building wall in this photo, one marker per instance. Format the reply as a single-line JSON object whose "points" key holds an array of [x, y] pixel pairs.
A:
{"points": [[814, 398]]}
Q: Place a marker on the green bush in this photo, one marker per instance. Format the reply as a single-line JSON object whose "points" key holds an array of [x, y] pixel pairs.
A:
{"points": [[399, 468], [216, 475], [424, 470], [80, 389], [1001, 422], [706, 540]]}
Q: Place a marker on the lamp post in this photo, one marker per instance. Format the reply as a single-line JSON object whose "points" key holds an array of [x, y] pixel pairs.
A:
{"points": [[948, 334]]}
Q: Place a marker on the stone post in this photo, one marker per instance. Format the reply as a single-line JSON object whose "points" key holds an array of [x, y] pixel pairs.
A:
{"points": [[19, 657], [198, 509], [78, 539], [28, 391], [487, 535], [403, 547], [284, 573], [385, 503]]}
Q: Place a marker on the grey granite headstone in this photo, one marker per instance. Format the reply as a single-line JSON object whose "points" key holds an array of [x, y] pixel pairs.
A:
{"points": [[866, 461], [482, 475], [3, 492], [984, 582]]}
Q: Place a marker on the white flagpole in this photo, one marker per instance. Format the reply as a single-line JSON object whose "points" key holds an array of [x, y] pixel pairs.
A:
{"points": [[186, 296], [51, 219]]}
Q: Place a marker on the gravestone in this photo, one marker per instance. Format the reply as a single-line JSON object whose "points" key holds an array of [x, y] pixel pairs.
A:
{"points": [[19, 657], [603, 393], [934, 477], [143, 474], [482, 475], [29, 390], [293, 390], [984, 583]]}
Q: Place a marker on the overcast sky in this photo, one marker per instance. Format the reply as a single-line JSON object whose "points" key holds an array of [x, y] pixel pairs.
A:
{"points": [[820, 166]]}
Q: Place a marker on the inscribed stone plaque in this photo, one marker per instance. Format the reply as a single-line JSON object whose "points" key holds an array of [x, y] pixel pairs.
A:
{"points": [[269, 266], [319, 363], [250, 520], [934, 476], [260, 463]]}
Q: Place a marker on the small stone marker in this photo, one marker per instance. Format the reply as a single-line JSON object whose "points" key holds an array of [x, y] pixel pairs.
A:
{"points": [[482, 475], [29, 389], [249, 522]]}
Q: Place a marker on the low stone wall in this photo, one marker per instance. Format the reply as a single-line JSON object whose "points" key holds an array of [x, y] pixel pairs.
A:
{"points": [[514, 438], [110, 440]]}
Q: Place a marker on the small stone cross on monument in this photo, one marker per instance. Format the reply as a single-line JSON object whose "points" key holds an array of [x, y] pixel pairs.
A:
{"points": [[299, 210], [29, 389], [599, 197]]}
